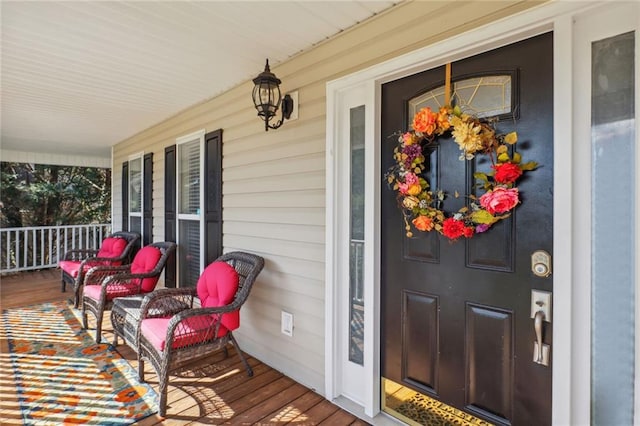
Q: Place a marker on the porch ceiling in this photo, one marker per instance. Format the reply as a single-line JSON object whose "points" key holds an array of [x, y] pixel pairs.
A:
{"points": [[79, 77]]}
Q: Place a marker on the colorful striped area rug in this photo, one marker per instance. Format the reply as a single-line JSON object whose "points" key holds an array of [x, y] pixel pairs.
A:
{"points": [[63, 376]]}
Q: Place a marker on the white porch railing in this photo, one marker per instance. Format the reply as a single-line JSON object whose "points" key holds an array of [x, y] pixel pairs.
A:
{"points": [[40, 247]]}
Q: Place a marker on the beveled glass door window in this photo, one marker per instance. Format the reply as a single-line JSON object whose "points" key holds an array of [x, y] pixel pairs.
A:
{"points": [[486, 96]]}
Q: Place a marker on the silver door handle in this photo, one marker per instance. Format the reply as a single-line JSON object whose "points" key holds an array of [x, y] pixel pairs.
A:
{"points": [[537, 325]]}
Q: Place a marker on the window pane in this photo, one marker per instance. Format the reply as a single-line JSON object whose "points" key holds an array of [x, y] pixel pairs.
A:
{"points": [[189, 252], [356, 251], [189, 177], [613, 230], [485, 96], [135, 185], [135, 224]]}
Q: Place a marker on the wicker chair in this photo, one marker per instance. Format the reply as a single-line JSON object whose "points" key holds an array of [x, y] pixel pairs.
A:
{"points": [[102, 284], [186, 332], [116, 249]]}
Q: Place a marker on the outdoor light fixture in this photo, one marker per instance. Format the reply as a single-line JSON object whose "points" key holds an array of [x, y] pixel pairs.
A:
{"points": [[267, 98]]}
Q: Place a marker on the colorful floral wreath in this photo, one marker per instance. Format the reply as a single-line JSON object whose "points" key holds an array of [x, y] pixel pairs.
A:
{"points": [[422, 207]]}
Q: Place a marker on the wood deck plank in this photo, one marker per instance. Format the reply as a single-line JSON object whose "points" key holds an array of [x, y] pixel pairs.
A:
{"points": [[297, 407], [267, 399], [338, 418], [316, 414], [277, 407]]}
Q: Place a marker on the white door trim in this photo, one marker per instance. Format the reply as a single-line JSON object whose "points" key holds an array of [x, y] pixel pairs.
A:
{"points": [[571, 398]]}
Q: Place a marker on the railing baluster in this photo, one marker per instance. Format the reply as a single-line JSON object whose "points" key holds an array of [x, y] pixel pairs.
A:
{"points": [[17, 249], [50, 247], [34, 249], [7, 245]]}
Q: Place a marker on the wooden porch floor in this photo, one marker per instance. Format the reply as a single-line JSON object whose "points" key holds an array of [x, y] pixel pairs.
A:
{"points": [[204, 394]]}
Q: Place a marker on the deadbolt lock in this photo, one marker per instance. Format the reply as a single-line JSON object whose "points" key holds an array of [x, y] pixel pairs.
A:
{"points": [[541, 263]]}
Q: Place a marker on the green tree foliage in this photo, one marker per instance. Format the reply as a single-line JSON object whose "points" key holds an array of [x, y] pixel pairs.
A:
{"points": [[44, 195]]}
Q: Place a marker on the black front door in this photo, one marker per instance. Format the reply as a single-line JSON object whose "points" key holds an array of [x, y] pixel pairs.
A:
{"points": [[456, 317]]}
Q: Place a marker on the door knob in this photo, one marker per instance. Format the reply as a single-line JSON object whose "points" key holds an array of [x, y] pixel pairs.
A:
{"points": [[540, 312], [537, 325]]}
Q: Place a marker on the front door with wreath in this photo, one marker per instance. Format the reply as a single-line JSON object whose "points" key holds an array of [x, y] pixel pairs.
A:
{"points": [[456, 271]]}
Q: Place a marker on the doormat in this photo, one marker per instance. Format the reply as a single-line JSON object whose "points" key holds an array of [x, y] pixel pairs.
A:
{"points": [[63, 376], [415, 408]]}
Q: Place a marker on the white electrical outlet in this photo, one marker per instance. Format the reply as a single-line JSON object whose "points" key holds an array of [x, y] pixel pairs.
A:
{"points": [[286, 324]]}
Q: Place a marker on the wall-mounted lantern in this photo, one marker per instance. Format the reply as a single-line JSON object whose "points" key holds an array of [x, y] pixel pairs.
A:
{"points": [[267, 98]]}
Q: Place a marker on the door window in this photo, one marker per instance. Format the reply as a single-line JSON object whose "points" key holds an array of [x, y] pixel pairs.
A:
{"points": [[486, 96]]}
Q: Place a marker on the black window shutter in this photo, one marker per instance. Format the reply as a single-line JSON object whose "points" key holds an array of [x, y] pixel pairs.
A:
{"points": [[213, 195], [170, 217], [125, 196], [147, 203]]}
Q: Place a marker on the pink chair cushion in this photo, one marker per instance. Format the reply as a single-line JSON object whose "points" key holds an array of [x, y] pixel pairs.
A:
{"points": [[190, 331], [112, 247], [71, 267], [145, 260], [113, 291], [217, 286]]}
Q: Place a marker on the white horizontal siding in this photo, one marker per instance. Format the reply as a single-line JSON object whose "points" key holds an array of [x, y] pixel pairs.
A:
{"points": [[276, 232], [274, 182]]}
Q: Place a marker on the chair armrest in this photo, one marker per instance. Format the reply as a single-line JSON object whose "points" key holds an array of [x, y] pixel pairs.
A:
{"points": [[91, 262], [97, 274], [79, 254], [167, 302], [196, 312], [123, 279], [120, 278]]}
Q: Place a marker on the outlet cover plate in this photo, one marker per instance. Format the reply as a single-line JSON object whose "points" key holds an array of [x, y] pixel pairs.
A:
{"points": [[286, 323]]}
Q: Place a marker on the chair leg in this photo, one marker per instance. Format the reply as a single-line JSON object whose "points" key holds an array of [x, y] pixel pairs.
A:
{"points": [[140, 368], [99, 326], [163, 380], [85, 322], [241, 355], [76, 295]]}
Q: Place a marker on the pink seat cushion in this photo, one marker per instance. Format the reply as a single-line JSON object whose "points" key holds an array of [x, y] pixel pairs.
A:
{"points": [[113, 291], [190, 331], [217, 286], [145, 261], [71, 267]]}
